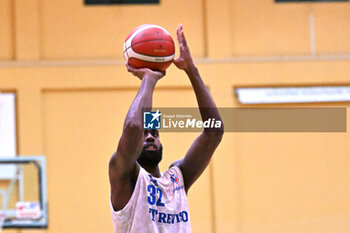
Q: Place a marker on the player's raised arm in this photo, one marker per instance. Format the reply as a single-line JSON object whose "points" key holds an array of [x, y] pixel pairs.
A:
{"points": [[198, 156], [123, 167]]}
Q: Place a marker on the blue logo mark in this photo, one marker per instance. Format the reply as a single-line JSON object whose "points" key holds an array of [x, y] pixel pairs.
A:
{"points": [[174, 178], [151, 120]]}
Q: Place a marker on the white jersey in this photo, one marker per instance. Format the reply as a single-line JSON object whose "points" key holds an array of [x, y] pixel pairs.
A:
{"points": [[157, 205]]}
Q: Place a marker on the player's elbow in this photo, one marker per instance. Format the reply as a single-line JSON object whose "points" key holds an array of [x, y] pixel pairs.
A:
{"points": [[133, 128], [214, 135], [112, 160], [215, 132]]}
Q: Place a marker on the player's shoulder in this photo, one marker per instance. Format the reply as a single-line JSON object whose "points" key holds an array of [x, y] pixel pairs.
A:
{"points": [[175, 168], [177, 163]]}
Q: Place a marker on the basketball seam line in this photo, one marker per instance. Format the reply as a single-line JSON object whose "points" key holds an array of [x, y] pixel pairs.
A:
{"points": [[143, 42], [172, 55]]}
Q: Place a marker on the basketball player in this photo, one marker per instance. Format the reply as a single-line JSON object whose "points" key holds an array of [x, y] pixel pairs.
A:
{"points": [[144, 200]]}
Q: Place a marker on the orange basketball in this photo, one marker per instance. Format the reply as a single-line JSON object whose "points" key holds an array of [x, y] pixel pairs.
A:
{"points": [[149, 46]]}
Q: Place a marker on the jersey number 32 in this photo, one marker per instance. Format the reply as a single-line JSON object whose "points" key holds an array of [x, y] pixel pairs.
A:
{"points": [[153, 198]]}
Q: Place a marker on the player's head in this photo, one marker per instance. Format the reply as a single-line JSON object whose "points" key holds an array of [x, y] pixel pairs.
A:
{"points": [[152, 150]]}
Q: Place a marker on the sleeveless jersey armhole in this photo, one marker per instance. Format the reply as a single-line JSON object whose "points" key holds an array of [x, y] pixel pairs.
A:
{"points": [[178, 172], [132, 198]]}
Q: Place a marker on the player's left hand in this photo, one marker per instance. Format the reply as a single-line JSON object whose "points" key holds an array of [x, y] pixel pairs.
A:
{"points": [[184, 61], [142, 72]]}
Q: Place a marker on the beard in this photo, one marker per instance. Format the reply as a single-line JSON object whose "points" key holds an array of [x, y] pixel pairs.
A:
{"points": [[150, 158]]}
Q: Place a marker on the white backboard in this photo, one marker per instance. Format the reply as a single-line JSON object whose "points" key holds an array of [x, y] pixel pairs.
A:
{"points": [[7, 132]]}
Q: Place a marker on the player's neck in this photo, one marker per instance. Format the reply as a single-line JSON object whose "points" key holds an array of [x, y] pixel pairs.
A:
{"points": [[153, 170]]}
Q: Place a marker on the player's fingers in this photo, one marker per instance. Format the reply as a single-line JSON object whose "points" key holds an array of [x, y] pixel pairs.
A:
{"points": [[138, 74], [181, 51], [178, 36], [183, 38], [178, 29], [161, 73], [134, 71], [178, 63], [129, 68]]}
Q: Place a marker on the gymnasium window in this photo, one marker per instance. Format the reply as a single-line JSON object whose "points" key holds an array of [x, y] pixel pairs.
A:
{"points": [[114, 2]]}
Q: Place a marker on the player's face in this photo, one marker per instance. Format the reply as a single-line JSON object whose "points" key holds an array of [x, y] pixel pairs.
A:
{"points": [[152, 150], [151, 140]]}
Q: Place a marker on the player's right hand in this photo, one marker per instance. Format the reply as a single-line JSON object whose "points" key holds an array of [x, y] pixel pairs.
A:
{"points": [[143, 72], [184, 61]]}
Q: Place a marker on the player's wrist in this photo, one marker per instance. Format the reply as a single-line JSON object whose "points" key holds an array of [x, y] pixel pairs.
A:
{"points": [[191, 70], [150, 79]]}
